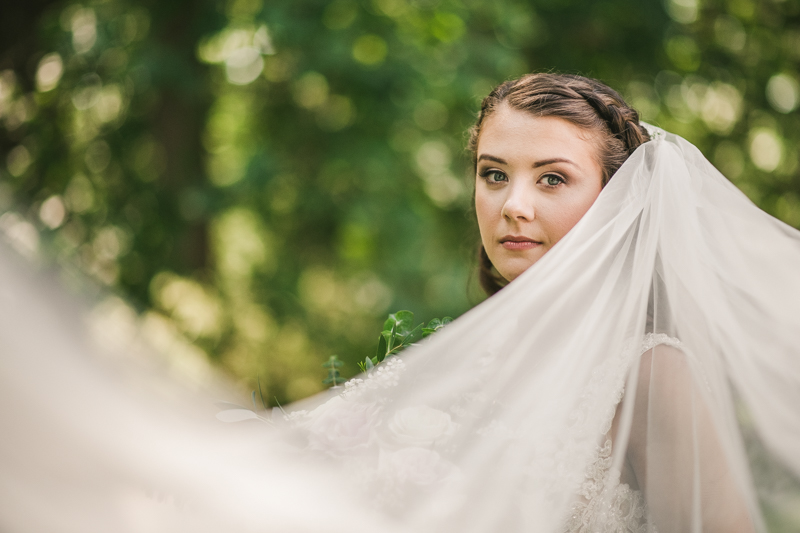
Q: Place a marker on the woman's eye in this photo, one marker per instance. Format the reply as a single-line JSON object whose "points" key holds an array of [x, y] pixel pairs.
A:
{"points": [[494, 176], [552, 180]]}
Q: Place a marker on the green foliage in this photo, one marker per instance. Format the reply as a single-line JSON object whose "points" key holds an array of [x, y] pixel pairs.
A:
{"points": [[264, 180], [333, 364], [398, 334], [263, 404]]}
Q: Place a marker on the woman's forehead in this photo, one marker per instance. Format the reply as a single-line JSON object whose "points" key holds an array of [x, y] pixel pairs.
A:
{"points": [[521, 134]]}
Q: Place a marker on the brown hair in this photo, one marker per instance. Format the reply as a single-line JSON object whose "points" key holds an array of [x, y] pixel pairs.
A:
{"points": [[587, 103]]}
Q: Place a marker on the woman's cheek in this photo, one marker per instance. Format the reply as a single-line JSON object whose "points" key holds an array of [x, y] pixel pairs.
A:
{"points": [[487, 214], [557, 225], [561, 219]]}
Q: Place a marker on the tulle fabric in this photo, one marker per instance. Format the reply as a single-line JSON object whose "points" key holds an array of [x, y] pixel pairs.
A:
{"points": [[98, 440], [664, 325]]}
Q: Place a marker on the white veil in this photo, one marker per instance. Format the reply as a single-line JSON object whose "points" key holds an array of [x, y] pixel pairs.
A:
{"points": [[653, 350]]}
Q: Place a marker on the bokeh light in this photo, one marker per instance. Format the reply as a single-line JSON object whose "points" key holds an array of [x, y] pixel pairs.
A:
{"points": [[259, 183]]}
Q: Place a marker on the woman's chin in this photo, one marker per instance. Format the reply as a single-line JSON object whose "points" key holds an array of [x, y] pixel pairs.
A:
{"points": [[512, 272], [512, 267]]}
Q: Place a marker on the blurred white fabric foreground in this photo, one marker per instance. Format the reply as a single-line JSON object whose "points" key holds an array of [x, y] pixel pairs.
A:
{"points": [[88, 447], [660, 339]]}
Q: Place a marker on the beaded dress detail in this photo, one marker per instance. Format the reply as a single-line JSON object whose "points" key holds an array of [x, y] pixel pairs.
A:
{"points": [[606, 505]]}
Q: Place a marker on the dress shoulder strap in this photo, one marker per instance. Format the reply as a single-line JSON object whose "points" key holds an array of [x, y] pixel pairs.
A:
{"points": [[651, 340]]}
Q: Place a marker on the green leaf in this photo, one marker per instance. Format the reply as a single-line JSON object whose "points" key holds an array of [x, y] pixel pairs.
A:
{"points": [[403, 322], [414, 336], [399, 333], [260, 394], [368, 364], [333, 362], [390, 339], [382, 347], [334, 378], [397, 340], [435, 324]]}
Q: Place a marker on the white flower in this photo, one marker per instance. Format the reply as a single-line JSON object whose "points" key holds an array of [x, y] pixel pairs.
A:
{"points": [[341, 425], [421, 426], [414, 465]]}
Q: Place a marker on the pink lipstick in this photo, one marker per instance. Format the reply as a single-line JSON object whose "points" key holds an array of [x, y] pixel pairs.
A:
{"points": [[518, 242]]}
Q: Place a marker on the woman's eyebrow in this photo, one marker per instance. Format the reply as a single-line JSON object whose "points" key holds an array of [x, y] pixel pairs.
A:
{"points": [[551, 161], [492, 158], [535, 165]]}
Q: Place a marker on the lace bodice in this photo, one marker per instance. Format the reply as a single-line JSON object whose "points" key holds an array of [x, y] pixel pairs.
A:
{"points": [[605, 504], [410, 448]]}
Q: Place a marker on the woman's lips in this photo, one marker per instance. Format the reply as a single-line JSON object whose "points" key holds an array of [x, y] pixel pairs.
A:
{"points": [[510, 242]]}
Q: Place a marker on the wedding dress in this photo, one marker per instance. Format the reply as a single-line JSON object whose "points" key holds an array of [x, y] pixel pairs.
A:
{"points": [[605, 503], [644, 375]]}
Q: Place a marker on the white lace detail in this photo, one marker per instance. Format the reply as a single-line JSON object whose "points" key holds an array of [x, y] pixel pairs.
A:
{"points": [[411, 450], [606, 505], [385, 375], [651, 340]]}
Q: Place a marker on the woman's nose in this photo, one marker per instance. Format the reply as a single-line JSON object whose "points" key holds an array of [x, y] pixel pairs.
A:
{"points": [[518, 206]]}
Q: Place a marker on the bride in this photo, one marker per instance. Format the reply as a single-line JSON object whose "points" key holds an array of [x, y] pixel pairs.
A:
{"points": [[637, 369]]}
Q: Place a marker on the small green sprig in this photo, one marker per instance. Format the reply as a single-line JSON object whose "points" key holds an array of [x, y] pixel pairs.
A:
{"points": [[333, 364], [399, 333]]}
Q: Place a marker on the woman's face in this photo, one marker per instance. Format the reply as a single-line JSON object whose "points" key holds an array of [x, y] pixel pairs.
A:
{"points": [[536, 177]]}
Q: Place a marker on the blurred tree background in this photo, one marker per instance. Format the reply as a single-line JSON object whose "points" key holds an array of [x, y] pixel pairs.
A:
{"points": [[263, 181]]}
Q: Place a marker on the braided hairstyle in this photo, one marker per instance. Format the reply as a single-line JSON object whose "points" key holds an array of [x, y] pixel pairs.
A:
{"points": [[586, 103]]}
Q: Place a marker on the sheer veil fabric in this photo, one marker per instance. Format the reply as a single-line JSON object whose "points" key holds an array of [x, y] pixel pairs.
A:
{"points": [[644, 375]]}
